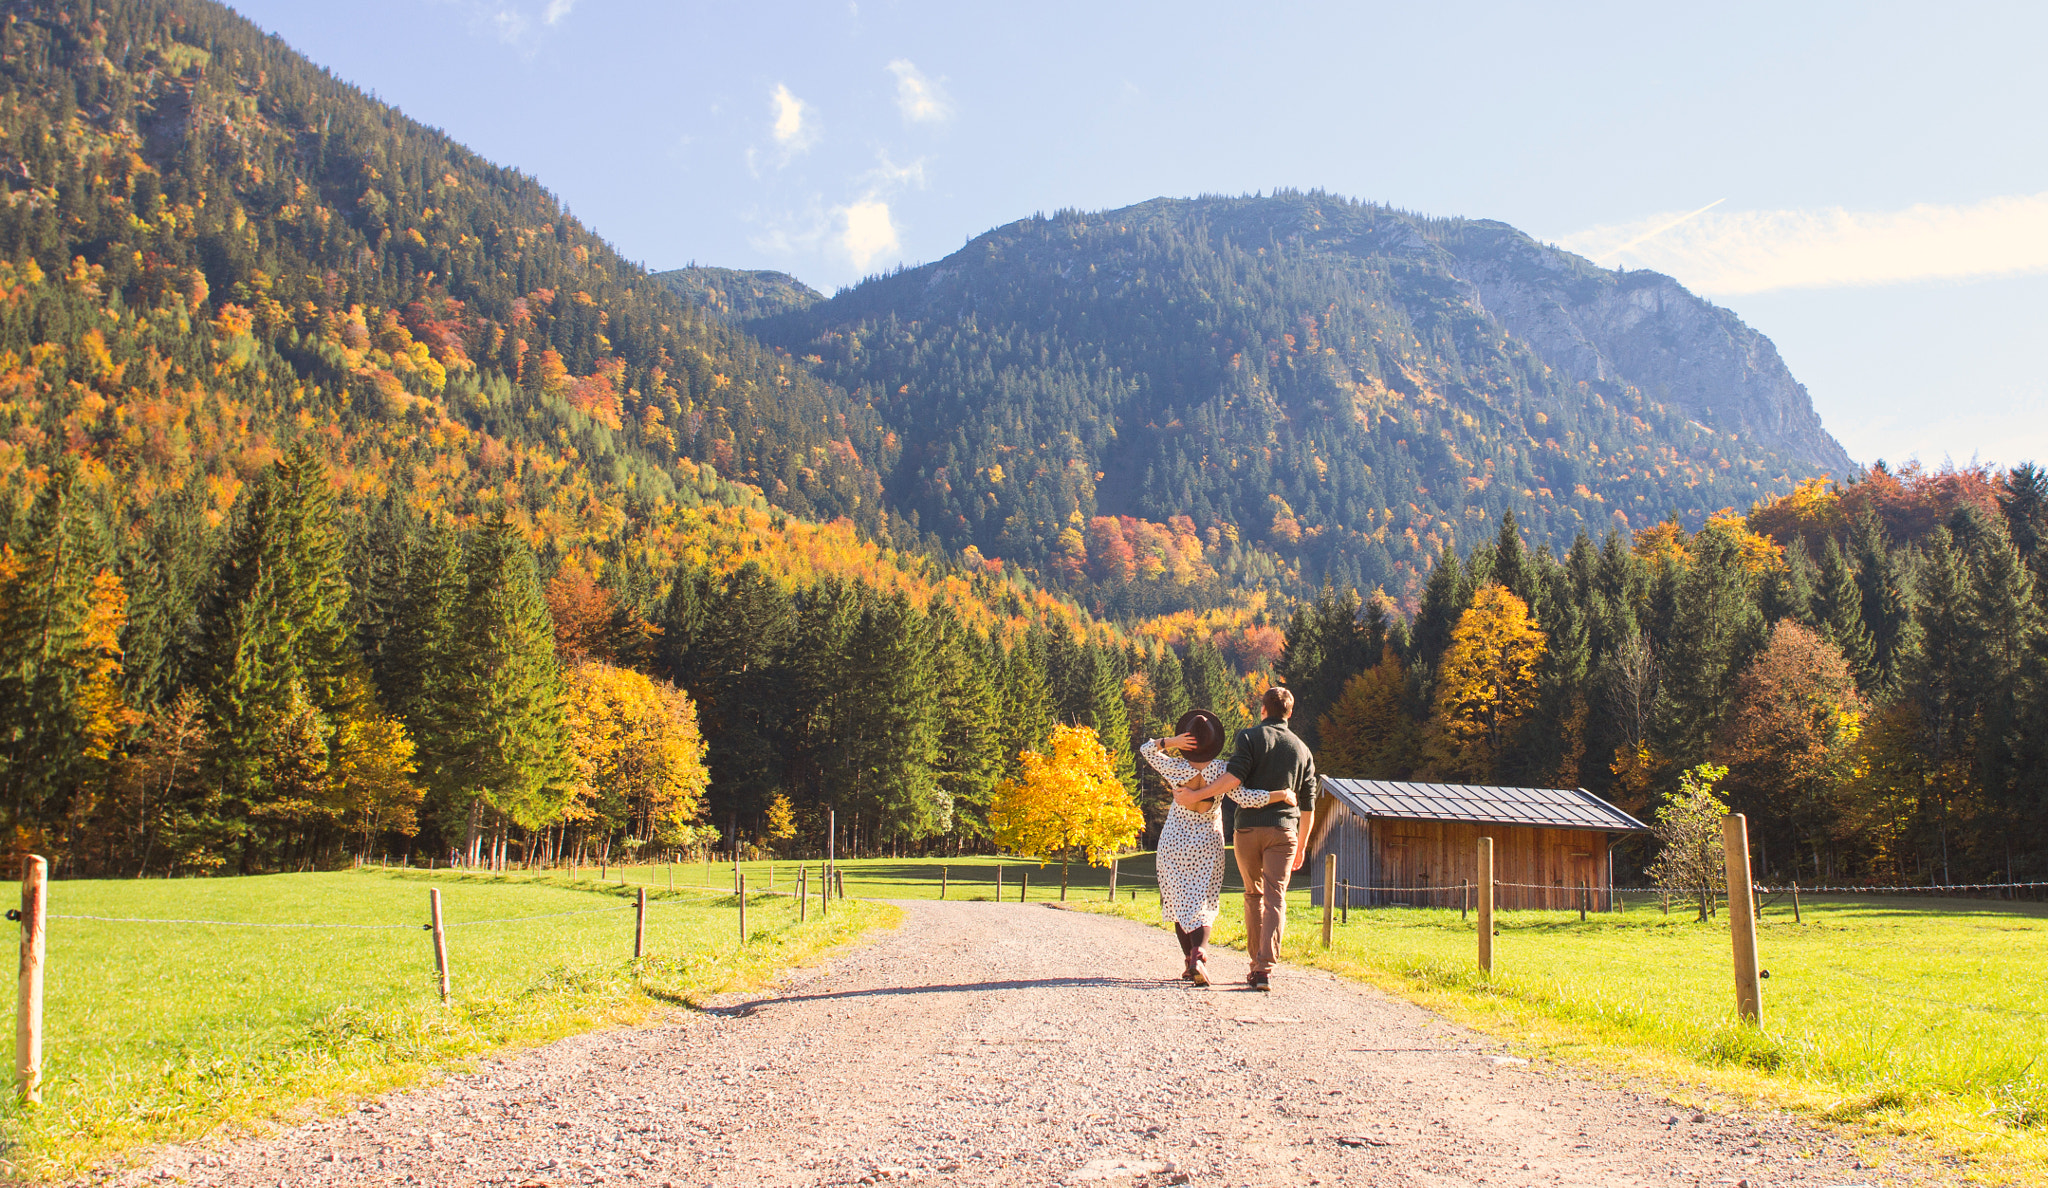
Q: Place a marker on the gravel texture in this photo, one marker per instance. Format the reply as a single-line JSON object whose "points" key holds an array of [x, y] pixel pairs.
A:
{"points": [[1020, 1044]]}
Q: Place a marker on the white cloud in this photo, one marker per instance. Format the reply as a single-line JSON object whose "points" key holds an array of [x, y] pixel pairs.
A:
{"points": [[921, 100], [1735, 252], [887, 175], [557, 9], [866, 231], [794, 127]]}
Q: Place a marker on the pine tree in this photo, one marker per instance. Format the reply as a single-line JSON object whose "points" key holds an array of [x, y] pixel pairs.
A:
{"points": [[1838, 611], [1169, 692], [1107, 716], [1443, 600], [48, 656], [278, 646], [1887, 607], [505, 694]]}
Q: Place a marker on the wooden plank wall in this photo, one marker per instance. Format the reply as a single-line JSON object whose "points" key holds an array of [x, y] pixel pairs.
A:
{"points": [[1424, 863]]}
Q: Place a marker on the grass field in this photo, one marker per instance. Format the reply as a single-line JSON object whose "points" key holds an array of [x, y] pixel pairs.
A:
{"points": [[160, 1032]]}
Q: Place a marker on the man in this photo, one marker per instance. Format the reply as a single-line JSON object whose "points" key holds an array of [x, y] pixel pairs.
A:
{"points": [[1269, 841]]}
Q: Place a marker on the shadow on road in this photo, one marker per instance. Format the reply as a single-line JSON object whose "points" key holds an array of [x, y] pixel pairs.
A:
{"points": [[743, 1009]]}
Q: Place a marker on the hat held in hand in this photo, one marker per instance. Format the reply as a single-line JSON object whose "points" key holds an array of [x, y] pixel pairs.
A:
{"points": [[1206, 729]]}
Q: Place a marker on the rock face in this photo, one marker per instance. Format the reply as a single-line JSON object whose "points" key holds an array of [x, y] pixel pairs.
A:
{"points": [[1644, 329]]}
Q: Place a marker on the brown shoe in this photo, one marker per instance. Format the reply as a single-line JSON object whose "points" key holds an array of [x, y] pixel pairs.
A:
{"points": [[1258, 981], [1201, 975]]}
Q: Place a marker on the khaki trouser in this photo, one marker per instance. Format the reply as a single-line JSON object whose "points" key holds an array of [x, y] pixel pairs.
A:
{"points": [[1265, 858]]}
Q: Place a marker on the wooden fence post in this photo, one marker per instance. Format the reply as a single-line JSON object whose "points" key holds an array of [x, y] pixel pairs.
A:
{"points": [[942, 882], [743, 906], [640, 925], [1584, 892], [1112, 880], [1023, 885], [825, 890], [1795, 901], [999, 882], [839, 877], [1329, 895], [1486, 904], [28, 1010], [803, 895], [1344, 913], [671, 878], [1063, 882], [440, 939], [1741, 918], [1464, 900]]}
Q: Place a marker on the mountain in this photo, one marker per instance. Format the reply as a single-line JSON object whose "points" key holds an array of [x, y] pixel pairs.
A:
{"points": [[1644, 329], [1346, 389], [220, 248], [736, 295]]}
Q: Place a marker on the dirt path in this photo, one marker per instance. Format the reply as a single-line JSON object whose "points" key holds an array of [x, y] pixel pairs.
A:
{"points": [[1019, 1044]]}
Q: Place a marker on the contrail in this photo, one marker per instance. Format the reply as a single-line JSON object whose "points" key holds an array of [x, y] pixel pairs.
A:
{"points": [[1649, 235]]}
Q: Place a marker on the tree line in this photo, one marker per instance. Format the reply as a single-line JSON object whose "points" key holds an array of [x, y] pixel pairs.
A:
{"points": [[1869, 662], [343, 685]]}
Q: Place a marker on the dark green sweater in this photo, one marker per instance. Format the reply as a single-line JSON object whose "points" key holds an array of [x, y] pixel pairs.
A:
{"points": [[1270, 757]]}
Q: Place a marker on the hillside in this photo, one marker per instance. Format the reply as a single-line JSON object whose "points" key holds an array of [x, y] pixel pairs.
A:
{"points": [[265, 252], [736, 295], [1349, 390]]}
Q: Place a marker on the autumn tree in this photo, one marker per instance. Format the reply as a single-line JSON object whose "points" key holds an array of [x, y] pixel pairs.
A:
{"points": [[1789, 736], [373, 780], [781, 818], [1486, 684], [637, 756], [1369, 733], [1066, 799]]}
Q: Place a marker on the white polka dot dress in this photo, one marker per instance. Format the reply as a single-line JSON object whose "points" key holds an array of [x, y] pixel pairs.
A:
{"points": [[1190, 859]]}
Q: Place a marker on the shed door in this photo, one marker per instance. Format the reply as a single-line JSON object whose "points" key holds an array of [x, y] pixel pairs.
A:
{"points": [[1573, 863]]}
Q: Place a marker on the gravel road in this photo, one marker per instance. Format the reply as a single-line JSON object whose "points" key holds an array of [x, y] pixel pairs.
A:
{"points": [[1020, 1044]]}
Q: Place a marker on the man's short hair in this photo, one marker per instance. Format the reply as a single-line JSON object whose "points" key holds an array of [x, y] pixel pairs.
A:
{"points": [[1277, 703]]}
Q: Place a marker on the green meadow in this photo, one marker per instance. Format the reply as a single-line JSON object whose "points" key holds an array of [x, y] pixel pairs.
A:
{"points": [[163, 1032]]}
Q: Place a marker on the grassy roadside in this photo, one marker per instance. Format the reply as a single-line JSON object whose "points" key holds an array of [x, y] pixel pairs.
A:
{"points": [[1916, 1022], [164, 1032]]}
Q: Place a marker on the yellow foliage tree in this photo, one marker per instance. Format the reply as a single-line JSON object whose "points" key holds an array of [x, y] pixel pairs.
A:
{"points": [[1064, 801], [1486, 684], [639, 756], [373, 776], [781, 818]]}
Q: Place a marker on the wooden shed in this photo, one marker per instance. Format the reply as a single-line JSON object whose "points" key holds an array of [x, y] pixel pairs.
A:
{"points": [[1414, 843]]}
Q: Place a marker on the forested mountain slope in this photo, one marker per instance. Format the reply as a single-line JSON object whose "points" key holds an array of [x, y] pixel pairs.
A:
{"points": [[738, 295], [236, 248], [1326, 380]]}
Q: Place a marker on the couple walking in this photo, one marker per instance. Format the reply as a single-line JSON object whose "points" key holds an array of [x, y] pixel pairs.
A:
{"points": [[1271, 776]]}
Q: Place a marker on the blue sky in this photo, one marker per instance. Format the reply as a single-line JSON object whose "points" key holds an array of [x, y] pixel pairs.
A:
{"points": [[1865, 183]]}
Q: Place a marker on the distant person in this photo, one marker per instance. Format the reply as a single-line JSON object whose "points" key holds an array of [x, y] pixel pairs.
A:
{"points": [[1270, 840], [1190, 858]]}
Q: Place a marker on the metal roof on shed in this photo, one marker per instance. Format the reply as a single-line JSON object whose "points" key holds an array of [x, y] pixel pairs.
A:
{"points": [[1545, 808]]}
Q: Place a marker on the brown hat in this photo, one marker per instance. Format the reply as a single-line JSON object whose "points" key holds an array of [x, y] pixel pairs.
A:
{"points": [[1207, 729]]}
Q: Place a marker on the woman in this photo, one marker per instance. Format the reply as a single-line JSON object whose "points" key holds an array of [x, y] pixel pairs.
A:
{"points": [[1190, 858]]}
